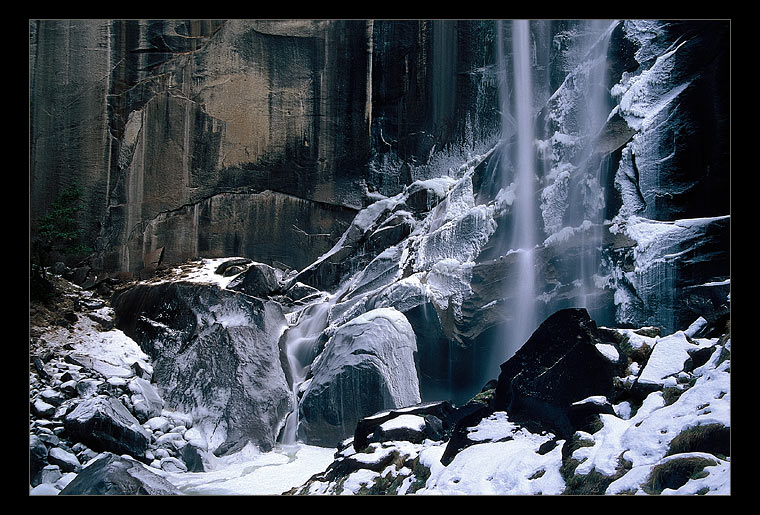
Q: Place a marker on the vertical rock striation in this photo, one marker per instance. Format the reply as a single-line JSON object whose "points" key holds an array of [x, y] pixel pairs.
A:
{"points": [[162, 118]]}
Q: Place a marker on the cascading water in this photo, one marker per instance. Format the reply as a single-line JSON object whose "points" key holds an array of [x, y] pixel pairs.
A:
{"points": [[521, 125], [302, 342], [592, 117]]}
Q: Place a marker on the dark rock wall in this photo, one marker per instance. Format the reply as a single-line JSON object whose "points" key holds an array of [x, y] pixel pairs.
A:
{"points": [[152, 117]]}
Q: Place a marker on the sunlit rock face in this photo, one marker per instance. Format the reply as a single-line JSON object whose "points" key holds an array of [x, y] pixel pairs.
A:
{"points": [[176, 127]]}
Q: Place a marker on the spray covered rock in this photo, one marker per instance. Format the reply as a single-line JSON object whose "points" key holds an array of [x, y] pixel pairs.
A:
{"points": [[367, 366]]}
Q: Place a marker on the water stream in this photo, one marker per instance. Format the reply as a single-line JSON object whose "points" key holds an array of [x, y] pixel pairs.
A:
{"points": [[302, 345]]}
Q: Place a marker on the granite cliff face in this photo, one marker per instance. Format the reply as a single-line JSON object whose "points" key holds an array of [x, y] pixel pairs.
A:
{"points": [[185, 132]]}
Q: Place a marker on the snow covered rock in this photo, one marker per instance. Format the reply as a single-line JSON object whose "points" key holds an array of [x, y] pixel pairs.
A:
{"points": [[67, 461], [146, 402], [117, 475], [415, 421], [366, 366], [103, 423], [259, 280], [216, 357], [559, 365]]}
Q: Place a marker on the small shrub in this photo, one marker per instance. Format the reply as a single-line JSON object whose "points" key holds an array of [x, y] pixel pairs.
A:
{"points": [[58, 230], [675, 473]]}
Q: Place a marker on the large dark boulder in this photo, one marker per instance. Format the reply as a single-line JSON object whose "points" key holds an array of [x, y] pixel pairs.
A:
{"points": [[216, 356], [104, 424], [562, 363], [116, 475]]}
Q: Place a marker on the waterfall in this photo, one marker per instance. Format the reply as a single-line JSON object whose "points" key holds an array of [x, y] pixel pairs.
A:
{"points": [[302, 344], [595, 109], [518, 93]]}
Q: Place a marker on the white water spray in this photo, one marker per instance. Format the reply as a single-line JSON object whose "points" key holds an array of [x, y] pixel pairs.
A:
{"points": [[592, 119], [523, 242]]}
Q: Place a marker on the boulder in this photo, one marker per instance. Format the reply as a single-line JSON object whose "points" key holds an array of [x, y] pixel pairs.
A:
{"points": [[232, 267], [259, 280], [171, 464], [158, 424], [51, 396], [117, 475], [216, 357], [50, 474], [38, 454], [42, 409], [104, 424], [367, 366], [146, 401], [427, 412], [67, 461], [563, 362]]}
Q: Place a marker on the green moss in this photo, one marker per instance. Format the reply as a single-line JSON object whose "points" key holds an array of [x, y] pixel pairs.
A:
{"points": [[671, 394], [675, 473], [710, 438], [593, 483]]}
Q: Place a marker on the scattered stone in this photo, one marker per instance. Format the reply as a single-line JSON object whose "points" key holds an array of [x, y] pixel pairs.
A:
{"points": [[171, 464], [69, 388], [158, 424], [118, 475], [38, 454], [173, 441], [39, 366], [87, 387], [51, 396], [47, 436], [42, 408], [67, 461], [50, 474], [105, 424]]}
